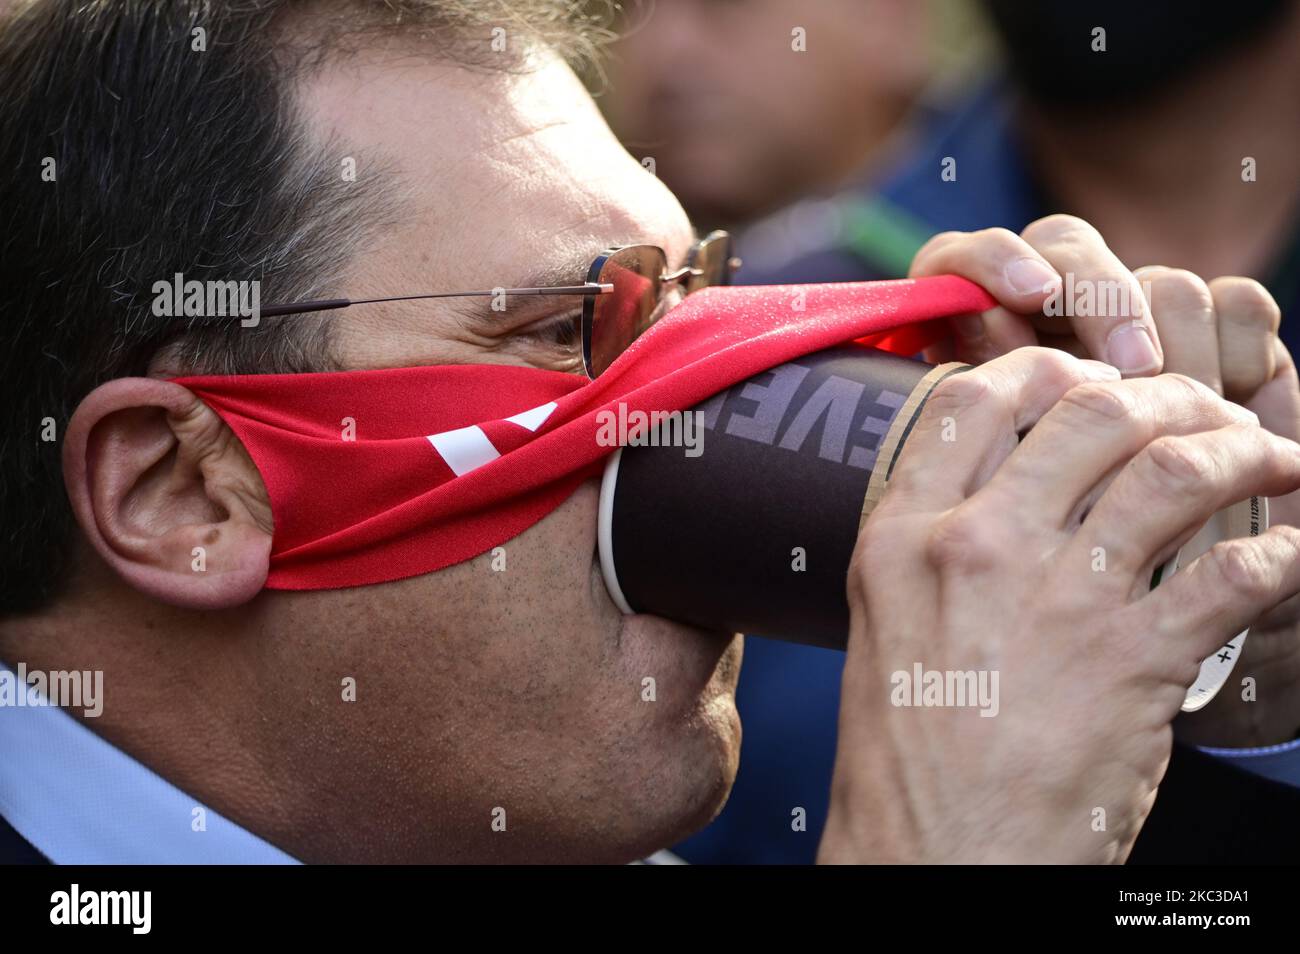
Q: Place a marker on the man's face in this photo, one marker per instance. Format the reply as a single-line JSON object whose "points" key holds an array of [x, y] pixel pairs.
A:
{"points": [[480, 689]]}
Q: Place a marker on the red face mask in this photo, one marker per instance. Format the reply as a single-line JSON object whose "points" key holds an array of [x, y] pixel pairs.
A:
{"points": [[381, 475]]}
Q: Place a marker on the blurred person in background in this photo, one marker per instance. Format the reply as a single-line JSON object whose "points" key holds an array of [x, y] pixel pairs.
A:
{"points": [[1174, 130], [741, 113]]}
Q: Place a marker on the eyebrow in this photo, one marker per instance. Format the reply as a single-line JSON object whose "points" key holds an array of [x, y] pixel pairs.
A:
{"points": [[560, 272], [574, 270]]}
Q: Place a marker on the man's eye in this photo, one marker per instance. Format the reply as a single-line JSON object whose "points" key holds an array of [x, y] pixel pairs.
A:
{"points": [[564, 332]]}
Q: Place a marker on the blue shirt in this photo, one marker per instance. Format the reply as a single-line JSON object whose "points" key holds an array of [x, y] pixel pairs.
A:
{"points": [[79, 800]]}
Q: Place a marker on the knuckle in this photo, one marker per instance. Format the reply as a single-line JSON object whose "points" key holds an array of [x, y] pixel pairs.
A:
{"points": [[999, 236], [1288, 536], [1059, 227], [1288, 541], [921, 260], [1109, 403], [960, 392], [1245, 301], [1058, 367], [944, 238], [1243, 570], [963, 539], [1191, 391], [1176, 464], [1183, 290]]}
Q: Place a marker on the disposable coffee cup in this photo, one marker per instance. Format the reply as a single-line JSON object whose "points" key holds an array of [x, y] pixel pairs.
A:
{"points": [[752, 528]]}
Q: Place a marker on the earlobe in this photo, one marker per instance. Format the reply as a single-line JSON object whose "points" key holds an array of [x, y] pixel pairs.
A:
{"points": [[167, 495]]}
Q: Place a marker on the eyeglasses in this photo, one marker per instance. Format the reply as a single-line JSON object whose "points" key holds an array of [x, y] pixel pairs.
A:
{"points": [[623, 294]]}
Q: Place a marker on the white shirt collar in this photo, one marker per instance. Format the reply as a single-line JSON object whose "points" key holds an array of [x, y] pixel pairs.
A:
{"points": [[79, 800]]}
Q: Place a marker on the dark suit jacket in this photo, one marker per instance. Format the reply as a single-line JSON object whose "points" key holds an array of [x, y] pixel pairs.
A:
{"points": [[15, 850], [1211, 812]]}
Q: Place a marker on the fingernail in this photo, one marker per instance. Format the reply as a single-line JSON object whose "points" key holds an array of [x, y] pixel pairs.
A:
{"points": [[1029, 276], [1131, 349]]}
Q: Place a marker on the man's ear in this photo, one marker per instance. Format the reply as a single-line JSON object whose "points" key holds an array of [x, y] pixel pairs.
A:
{"points": [[167, 495]]}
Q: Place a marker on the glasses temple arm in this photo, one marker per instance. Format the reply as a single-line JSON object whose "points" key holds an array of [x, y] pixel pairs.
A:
{"points": [[329, 304]]}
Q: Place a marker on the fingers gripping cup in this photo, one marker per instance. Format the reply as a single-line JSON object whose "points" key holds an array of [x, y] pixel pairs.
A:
{"points": [[752, 530]]}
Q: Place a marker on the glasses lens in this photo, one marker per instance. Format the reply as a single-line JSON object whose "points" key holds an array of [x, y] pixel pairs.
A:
{"points": [[710, 262], [618, 319]]}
